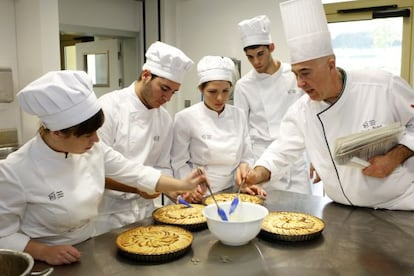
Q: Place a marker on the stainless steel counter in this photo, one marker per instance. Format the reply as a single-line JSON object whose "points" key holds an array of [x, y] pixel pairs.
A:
{"points": [[356, 241]]}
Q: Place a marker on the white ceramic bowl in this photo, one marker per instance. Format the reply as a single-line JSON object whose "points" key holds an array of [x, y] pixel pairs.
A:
{"points": [[243, 225]]}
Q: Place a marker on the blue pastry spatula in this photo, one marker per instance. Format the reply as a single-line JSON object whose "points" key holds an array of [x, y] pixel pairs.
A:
{"points": [[220, 211], [236, 200]]}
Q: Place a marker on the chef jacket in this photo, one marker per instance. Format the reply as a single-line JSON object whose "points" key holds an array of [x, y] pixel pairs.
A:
{"points": [[142, 135], [52, 199], [265, 99], [218, 142], [370, 99]]}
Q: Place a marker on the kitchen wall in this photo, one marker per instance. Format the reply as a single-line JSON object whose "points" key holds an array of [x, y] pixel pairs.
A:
{"points": [[30, 47], [200, 27], [30, 41]]}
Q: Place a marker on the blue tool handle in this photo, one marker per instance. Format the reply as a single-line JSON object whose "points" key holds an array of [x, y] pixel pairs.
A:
{"points": [[233, 205], [222, 214], [182, 201]]}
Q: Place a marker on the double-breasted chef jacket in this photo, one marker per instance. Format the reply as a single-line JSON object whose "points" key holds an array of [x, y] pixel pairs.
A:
{"points": [[265, 98], [370, 99], [218, 142], [52, 198]]}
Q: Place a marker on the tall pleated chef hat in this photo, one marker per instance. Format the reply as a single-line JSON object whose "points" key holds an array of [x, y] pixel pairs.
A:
{"points": [[167, 62], [211, 68], [306, 30], [60, 99], [255, 31]]}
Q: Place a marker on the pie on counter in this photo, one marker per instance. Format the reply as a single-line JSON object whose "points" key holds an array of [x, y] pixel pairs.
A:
{"points": [[230, 196], [154, 243], [180, 215], [291, 226]]}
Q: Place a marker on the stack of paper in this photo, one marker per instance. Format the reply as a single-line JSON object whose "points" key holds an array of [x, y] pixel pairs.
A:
{"points": [[355, 149]]}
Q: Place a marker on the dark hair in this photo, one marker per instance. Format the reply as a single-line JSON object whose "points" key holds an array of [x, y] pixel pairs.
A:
{"points": [[86, 127], [252, 47]]}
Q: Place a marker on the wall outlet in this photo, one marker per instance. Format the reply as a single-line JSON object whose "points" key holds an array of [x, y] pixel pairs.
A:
{"points": [[187, 103]]}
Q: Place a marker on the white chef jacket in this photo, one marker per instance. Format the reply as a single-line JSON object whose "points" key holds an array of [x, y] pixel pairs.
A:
{"points": [[370, 99], [265, 99], [51, 198], [142, 135], [218, 142]]}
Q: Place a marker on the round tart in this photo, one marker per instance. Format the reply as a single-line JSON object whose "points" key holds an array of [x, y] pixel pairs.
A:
{"points": [[154, 243], [291, 226], [230, 196], [180, 215]]}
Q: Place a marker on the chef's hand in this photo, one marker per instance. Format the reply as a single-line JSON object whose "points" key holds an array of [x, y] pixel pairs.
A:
{"points": [[314, 175], [383, 165], [170, 184], [53, 254], [193, 180], [195, 196], [241, 173], [254, 190], [253, 176]]}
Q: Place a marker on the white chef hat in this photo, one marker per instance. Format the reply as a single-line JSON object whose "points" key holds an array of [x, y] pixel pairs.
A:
{"points": [[255, 31], [306, 30], [167, 62], [60, 99], [211, 68]]}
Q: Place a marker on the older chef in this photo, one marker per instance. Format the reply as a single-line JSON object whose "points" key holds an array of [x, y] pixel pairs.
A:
{"points": [[265, 93], [212, 133], [138, 126], [339, 103], [51, 186]]}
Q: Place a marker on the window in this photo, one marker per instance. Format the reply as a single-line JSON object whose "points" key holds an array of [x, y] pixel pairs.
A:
{"points": [[367, 34]]}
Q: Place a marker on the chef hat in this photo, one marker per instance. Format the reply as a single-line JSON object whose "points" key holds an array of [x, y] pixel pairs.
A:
{"points": [[167, 62], [61, 99], [306, 30], [211, 68], [255, 31]]}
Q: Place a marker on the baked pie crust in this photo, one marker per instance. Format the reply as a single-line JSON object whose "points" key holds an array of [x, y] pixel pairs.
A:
{"points": [[223, 197], [291, 226], [154, 243], [181, 215]]}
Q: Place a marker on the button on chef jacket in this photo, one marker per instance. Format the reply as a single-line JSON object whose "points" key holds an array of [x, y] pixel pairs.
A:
{"points": [[370, 99], [265, 99], [52, 199], [219, 142], [142, 135]]}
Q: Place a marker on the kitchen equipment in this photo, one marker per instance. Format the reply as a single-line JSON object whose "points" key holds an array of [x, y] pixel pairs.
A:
{"points": [[236, 200], [243, 226], [220, 211], [224, 197], [154, 244], [191, 219], [15, 263], [181, 200]]}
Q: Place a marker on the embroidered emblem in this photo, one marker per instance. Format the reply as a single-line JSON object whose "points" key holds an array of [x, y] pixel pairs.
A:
{"points": [[56, 195], [291, 91], [371, 124], [156, 138], [206, 136]]}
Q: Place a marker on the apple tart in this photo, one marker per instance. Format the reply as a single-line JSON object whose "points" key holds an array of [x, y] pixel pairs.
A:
{"points": [[154, 243], [190, 218], [291, 226], [223, 197]]}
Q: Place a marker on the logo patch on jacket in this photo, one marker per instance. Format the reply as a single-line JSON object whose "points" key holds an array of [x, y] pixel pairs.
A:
{"points": [[56, 195]]}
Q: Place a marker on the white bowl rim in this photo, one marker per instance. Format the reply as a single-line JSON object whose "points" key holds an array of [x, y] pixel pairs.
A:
{"points": [[235, 222]]}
